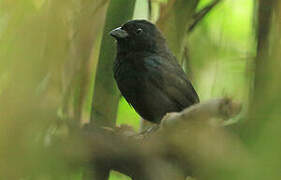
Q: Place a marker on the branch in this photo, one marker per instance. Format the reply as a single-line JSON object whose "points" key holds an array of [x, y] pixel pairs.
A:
{"points": [[218, 108], [201, 14], [164, 154]]}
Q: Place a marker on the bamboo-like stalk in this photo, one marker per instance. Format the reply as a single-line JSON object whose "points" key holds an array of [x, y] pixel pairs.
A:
{"points": [[106, 95]]}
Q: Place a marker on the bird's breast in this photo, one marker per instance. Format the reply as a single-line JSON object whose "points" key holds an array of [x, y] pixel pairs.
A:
{"points": [[128, 69]]}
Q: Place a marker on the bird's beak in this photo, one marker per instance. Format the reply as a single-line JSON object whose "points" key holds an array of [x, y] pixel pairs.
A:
{"points": [[119, 33]]}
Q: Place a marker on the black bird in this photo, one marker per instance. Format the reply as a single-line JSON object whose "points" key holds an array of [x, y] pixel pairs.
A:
{"points": [[147, 73]]}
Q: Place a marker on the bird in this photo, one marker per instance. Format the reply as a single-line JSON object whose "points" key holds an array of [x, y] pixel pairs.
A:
{"points": [[147, 74]]}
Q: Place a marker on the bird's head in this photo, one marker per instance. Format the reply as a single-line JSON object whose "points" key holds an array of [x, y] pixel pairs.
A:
{"points": [[138, 35]]}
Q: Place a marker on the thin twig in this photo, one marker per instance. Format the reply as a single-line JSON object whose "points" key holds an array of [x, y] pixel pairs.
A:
{"points": [[149, 10], [201, 14]]}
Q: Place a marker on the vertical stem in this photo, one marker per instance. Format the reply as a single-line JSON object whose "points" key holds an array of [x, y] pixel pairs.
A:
{"points": [[264, 74], [106, 95], [174, 20]]}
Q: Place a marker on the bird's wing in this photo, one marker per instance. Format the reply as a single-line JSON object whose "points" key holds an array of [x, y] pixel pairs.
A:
{"points": [[170, 79]]}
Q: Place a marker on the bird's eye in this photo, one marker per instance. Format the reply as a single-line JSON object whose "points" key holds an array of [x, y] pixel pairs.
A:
{"points": [[139, 31]]}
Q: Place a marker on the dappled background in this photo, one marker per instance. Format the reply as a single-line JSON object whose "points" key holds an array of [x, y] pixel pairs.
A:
{"points": [[56, 74]]}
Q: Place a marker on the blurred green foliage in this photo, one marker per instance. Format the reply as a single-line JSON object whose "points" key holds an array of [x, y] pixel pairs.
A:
{"points": [[49, 52]]}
